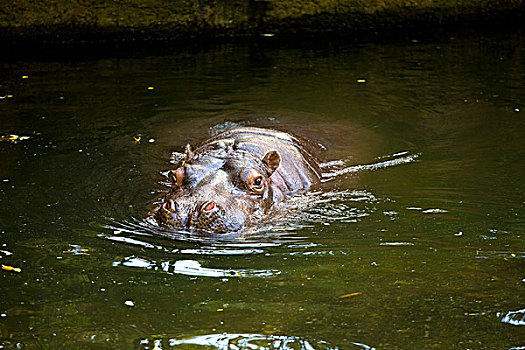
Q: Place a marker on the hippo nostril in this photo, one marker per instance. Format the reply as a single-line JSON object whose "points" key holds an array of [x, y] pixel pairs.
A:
{"points": [[169, 205], [209, 207]]}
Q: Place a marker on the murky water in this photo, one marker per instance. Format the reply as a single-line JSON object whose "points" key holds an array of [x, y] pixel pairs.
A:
{"points": [[418, 244]]}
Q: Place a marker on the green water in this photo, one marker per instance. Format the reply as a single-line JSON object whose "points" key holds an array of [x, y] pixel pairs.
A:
{"points": [[425, 254]]}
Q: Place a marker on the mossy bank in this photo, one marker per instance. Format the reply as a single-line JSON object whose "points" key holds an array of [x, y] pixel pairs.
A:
{"points": [[71, 20]]}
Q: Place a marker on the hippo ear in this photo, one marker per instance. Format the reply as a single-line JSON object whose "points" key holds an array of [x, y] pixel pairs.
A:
{"points": [[272, 159]]}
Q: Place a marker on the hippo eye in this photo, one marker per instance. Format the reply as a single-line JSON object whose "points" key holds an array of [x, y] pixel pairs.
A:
{"points": [[253, 180], [257, 185], [258, 182]]}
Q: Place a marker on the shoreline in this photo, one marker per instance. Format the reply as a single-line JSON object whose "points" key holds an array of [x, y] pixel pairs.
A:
{"points": [[67, 22]]}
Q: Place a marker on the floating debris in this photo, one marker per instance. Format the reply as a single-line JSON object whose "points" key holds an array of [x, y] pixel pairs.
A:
{"points": [[399, 283], [361, 81], [351, 295], [137, 139], [129, 303], [11, 268], [13, 138]]}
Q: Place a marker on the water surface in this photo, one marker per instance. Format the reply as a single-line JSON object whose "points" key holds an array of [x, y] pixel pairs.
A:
{"points": [[426, 253]]}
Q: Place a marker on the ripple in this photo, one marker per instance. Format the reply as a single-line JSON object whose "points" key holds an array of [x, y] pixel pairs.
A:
{"points": [[324, 207], [216, 249], [338, 168], [435, 211], [282, 225], [499, 253], [297, 214], [267, 233], [515, 318], [396, 244], [226, 341]]}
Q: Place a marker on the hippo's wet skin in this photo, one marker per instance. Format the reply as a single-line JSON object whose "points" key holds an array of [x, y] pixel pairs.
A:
{"points": [[233, 179]]}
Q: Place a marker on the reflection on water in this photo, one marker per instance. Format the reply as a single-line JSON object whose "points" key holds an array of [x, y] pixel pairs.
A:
{"points": [[192, 268], [515, 318], [228, 341], [13, 138]]}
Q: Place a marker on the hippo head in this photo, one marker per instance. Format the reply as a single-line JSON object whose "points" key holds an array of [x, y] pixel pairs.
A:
{"points": [[219, 188]]}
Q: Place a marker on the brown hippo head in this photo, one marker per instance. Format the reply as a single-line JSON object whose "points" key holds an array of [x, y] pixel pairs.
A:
{"points": [[231, 180], [219, 188]]}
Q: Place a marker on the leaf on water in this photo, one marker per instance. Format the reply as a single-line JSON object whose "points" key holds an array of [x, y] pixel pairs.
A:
{"points": [[350, 295], [11, 268], [398, 283]]}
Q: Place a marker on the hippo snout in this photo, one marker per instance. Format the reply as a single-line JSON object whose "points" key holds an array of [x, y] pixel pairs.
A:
{"points": [[205, 215]]}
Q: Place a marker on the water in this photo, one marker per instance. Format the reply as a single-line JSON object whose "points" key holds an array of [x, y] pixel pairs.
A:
{"points": [[418, 244]]}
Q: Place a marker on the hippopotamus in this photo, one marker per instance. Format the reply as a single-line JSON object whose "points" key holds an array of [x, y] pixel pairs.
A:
{"points": [[231, 181]]}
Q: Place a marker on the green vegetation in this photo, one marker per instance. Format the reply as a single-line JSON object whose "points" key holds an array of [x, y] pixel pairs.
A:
{"points": [[69, 19]]}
